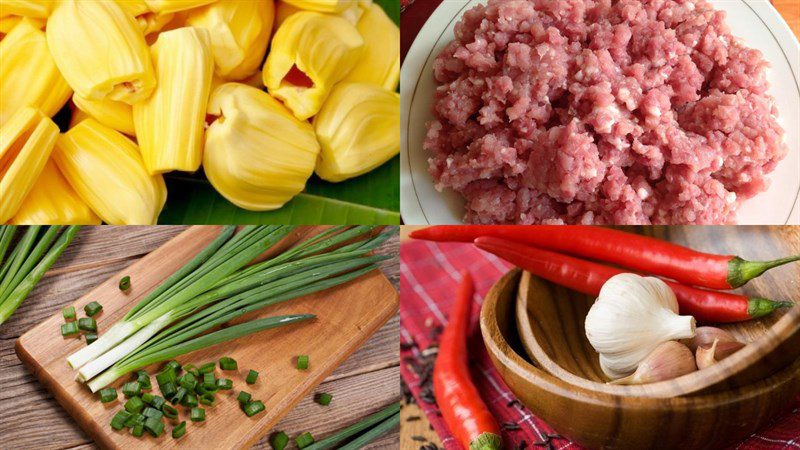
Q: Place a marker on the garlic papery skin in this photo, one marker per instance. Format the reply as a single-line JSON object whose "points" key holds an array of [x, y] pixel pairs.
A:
{"points": [[669, 360], [631, 317], [705, 337], [709, 355]]}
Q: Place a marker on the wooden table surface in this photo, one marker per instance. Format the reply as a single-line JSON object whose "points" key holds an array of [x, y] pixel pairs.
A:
{"points": [[31, 418]]}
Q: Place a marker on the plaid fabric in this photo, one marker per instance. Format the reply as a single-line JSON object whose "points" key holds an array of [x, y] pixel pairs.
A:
{"points": [[429, 276]]}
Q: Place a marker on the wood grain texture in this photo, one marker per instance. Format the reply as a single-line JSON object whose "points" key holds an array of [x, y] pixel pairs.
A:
{"points": [[597, 419], [361, 385]]}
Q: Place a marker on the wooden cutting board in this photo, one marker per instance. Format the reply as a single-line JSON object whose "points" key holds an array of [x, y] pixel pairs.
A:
{"points": [[346, 316]]}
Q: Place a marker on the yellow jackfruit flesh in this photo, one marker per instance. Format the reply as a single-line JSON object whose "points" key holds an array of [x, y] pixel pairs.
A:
{"points": [[310, 53], [37, 9], [169, 124], [148, 21], [257, 155], [326, 6], [283, 10], [52, 201], [28, 74], [116, 115], [358, 130], [380, 63], [101, 51], [170, 6], [26, 142], [7, 23], [106, 170], [240, 33]]}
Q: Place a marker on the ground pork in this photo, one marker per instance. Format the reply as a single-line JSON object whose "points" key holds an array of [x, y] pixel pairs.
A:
{"points": [[601, 112]]}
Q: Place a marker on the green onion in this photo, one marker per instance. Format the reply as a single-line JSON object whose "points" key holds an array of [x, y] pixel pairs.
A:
{"points": [[243, 397], [253, 408], [279, 440], [224, 384], [154, 426], [143, 379], [323, 398], [125, 283], [252, 377], [69, 329], [168, 389], [178, 397], [304, 440], [90, 337], [148, 398], [372, 434], [152, 412], [108, 395], [226, 363], [192, 369], [27, 263], [119, 419], [179, 430], [352, 430], [138, 430], [209, 382], [208, 399], [158, 402], [68, 313], [134, 405], [173, 365], [92, 308], [87, 324], [134, 420], [169, 411], [131, 389], [190, 400], [302, 362], [197, 415], [207, 368], [188, 381]]}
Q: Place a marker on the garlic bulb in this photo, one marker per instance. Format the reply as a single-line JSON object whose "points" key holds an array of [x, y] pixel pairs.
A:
{"points": [[630, 318], [669, 360]]}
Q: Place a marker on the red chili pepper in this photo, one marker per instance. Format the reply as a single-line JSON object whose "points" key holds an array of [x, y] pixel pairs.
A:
{"points": [[588, 277], [642, 253], [466, 415]]}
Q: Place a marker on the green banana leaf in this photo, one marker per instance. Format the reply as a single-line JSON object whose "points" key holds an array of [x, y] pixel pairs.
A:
{"points": [[373, 198]]}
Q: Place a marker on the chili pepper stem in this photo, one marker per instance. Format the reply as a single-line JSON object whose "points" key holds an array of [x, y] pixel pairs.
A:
{"points": [[740, 271], [759, 307], [486, 441]]}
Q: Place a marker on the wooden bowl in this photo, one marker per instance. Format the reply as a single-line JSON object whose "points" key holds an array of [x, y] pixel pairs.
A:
{"points": [[602, 419], [550, 322]]}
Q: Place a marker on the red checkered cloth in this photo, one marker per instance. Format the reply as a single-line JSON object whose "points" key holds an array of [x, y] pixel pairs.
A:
{"points": [[429, 277]]}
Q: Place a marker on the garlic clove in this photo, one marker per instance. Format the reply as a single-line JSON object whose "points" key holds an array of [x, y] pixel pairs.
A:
{"points": [[706, 356], [669, 360], [705, 337]]}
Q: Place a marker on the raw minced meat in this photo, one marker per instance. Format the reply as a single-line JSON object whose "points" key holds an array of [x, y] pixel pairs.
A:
{"points": [[601, 111]]}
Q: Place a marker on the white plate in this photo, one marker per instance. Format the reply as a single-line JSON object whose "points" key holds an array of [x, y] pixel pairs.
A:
{"points": [[756, 22]]}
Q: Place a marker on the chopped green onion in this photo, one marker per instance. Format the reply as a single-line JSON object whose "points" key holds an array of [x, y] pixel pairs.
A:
{"points": [[178, 397], [323, 398], [68, 313], [209, 382], [207, 368], [148, 397], [302, 362], [125, 283], [254, 408], [134, 420], [190, 401], [119, 419], [197, 415], [304, 440], [192, 369], [158, 402], [152, 412], [108, 395], [208, 399], [179, 430], [131, 389], [90, 337], [188, 381], [226, 363], [143, 379], [279, 440], [134, 405], [169, 389], [203, 389], [138, 430], [169, 411], [69, 329], [243, 397], [165, 376], [224, 384], [173, 365], [154, 426], [92, 308], [252, 376], [87, 324]]}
